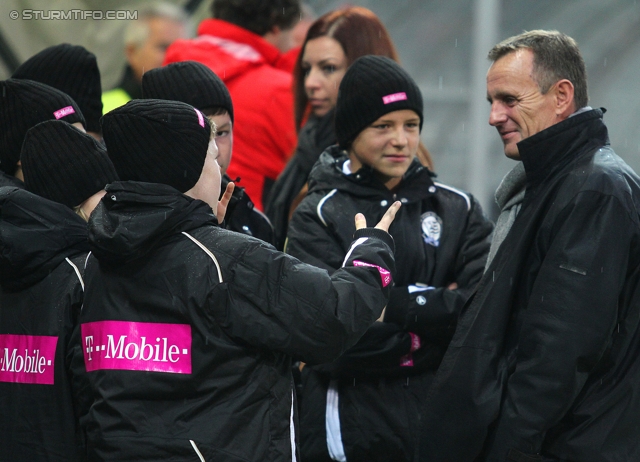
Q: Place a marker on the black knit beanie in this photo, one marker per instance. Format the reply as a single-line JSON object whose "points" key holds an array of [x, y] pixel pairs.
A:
{"points": [[23, 104], [157, 141], [372, 87], [64, 165], [73, 70], [190, 82]]}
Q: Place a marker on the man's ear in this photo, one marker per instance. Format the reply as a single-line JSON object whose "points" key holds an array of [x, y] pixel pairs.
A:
{"points": [[565, 104]]}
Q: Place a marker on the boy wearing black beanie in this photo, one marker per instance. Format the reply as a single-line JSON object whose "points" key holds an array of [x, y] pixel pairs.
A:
{"points": [[195, 84], [71, 69], [23, 104], [442, 240], [188, 329]]}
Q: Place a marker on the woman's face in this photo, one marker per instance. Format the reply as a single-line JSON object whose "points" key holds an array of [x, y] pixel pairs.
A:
{"points": [[388, 145], [324, 64]]}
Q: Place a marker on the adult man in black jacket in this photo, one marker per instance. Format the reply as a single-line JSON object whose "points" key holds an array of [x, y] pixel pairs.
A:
{"points": [[188, 329], [544, 364]]}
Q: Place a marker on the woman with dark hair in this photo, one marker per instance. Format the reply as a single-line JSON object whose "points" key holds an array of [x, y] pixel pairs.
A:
{"points": [[333, 42]]}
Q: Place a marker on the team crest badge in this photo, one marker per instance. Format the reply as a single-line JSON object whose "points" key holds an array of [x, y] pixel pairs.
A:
{"points": [[431, 228]]}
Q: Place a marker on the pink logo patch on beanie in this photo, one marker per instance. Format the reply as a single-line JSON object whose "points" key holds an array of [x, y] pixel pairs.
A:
{"points": [[200, 118], [65, 111], [394, 97]]}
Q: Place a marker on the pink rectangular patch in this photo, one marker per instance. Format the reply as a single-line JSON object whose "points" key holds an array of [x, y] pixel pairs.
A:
{"points": [[137, 346], [385, 275], [27, 358], [407, 360], [200, 118], [394, 97], [65, 111]]}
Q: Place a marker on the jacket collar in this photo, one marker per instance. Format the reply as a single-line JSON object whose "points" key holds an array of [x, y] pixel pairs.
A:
{"points": [[231, 32], [559, 145], [328, 174]]}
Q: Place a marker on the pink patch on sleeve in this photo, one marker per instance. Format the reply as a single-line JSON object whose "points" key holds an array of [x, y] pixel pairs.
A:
{"points": [[137, 346], [385, 275], [407, 360], [27, 358], [65, 111], [394, 97], [200, 118]]}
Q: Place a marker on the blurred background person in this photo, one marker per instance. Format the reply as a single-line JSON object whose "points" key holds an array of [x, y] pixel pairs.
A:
{"points": [[73, 70], [146, 41], [43, 247], [195, 84], [332, 43], [365, 406], [243, 44]]}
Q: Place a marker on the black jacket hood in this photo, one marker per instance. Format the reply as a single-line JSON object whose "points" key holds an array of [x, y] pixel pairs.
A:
{"points": [[36, 235], [134, 217], [327, 174]]}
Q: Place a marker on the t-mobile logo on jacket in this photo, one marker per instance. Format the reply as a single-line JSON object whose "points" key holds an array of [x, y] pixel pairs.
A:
{"points": [[137, 346], [27, 358]]}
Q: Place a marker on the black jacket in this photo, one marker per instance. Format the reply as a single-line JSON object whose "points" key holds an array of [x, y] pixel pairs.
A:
{"points": [[441, 237], [211, 320], [316, 135], [8, 180], [42, 250], [243, 217], [545, 359]]}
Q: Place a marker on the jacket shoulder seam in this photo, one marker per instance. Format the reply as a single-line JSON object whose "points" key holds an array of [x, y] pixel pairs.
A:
{"points": [[207, 251], [464, 195], [321, 204]]}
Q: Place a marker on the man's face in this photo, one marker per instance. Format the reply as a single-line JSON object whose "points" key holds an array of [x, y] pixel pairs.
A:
{"points": [[162, 33], [518, 108], [224, 139]]}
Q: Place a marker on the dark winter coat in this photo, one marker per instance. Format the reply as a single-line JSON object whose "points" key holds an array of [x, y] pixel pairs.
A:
{"points": [[441, 237], [8, 180], [243, 217], [316, 135], [189, 329], [545, 359], [43, 246]]}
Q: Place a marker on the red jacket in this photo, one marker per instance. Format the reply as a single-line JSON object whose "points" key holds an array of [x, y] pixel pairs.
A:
{"points": [[252, 69]]}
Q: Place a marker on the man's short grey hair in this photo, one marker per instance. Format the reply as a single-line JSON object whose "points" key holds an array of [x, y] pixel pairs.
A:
{"points": [[137, 30], [555, 57]]}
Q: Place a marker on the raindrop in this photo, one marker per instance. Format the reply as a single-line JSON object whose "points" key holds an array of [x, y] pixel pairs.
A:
{"points": [[456, 43], [440, 83], [605, 62], [510, 281], [462, 126], [494, 276]]}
